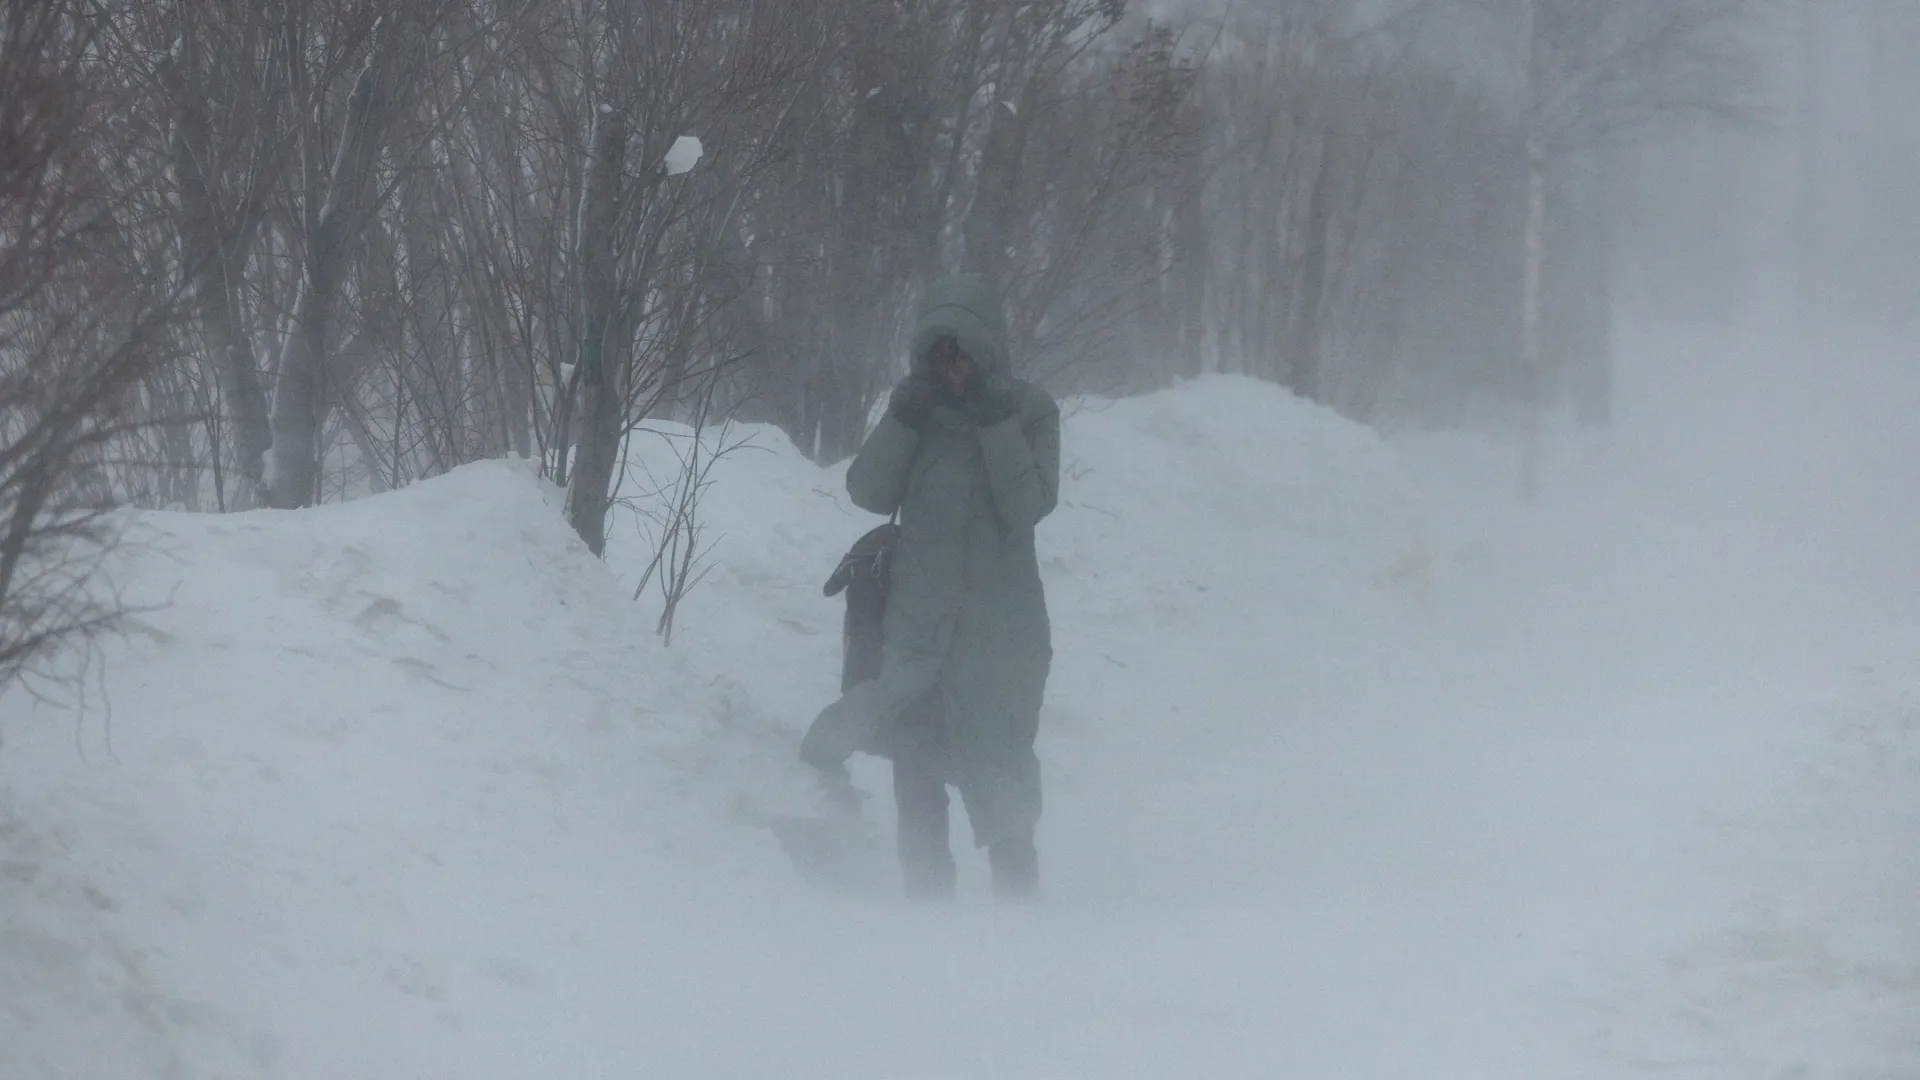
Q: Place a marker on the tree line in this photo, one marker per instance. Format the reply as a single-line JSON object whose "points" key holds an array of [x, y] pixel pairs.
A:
{"points": [[273, 253]]}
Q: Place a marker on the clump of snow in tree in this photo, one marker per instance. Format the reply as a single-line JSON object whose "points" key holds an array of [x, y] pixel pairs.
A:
{"points": [[683, 155]]}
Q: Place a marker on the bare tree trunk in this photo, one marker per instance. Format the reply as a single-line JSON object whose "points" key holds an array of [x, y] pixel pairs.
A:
{"points": [[1589, 300], [301, 395], [1808, 260], [1193, 261], [992, 219], [989, 228], [1532, 341], [216, 266], [1305, 346], [517, 378], [602, 384], [428, 287]]}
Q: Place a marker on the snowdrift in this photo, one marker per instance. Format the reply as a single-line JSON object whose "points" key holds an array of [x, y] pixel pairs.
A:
{"points": [[347, 734], [359, 742], [408, 787]]}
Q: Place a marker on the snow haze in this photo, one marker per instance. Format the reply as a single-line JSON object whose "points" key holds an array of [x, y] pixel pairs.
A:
{"points": [[1356, 769], [1358, 766]]}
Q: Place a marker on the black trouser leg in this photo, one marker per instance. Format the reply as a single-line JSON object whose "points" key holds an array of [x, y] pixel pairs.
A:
{"points": [[1016, 869], [920, 793]]}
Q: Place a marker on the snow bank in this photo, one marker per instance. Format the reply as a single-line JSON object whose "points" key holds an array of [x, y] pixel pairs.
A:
{"points": [[408, 787], [363, 756], [377, 758]]}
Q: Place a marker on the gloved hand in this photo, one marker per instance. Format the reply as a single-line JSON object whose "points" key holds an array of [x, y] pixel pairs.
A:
{"points": [[991, 402], [912, 402]]}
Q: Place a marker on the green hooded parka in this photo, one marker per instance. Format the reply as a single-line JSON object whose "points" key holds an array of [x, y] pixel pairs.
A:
{"points": [[966, 618]]}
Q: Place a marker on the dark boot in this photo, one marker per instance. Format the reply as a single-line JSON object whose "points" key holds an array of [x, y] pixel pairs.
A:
{"points": [[926, 857], [836, 784], [920, 794], [1016, 870]]}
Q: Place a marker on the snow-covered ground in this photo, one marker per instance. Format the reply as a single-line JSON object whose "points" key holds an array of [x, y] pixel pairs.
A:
{"points": [[1356, 770]]}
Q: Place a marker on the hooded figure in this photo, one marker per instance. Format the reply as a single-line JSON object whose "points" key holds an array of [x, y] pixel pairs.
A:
{"points": [[969, 457]]}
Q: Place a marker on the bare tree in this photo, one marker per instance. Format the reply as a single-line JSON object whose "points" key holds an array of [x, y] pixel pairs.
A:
{"points": [[602, 384], [223, 81], [1320, 135], [649, 237], [1595, 70], [1109, 156], [336, 204], [1390, 224], [668, 513], [86, 311], [1044, 144], [410, 236]]}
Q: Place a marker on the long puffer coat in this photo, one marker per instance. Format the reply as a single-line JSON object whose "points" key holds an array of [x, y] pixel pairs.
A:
{"points": [[966, 618]]}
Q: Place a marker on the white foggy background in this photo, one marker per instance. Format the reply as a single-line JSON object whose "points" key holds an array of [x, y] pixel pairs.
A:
{"points": [[1766, 306], [1359, 766]]}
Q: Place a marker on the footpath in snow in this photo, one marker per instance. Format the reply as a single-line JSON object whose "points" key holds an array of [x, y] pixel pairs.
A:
{"points": [[1355, 770]]}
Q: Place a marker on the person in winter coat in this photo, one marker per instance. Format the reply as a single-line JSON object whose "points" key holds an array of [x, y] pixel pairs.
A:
{"points": [[969, 457]]}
